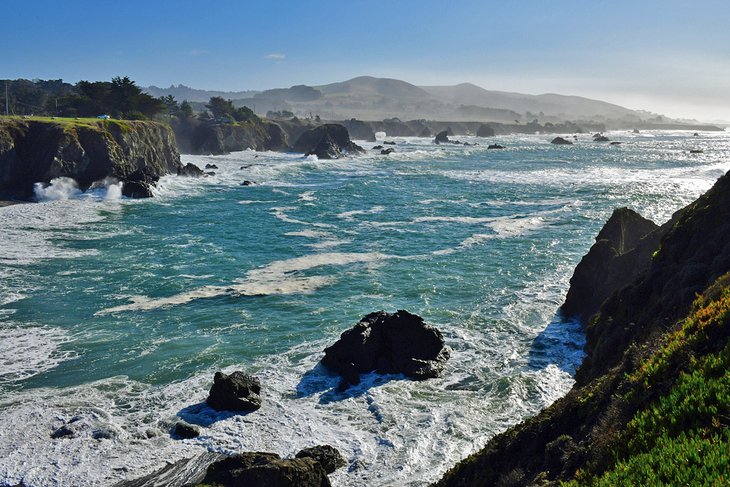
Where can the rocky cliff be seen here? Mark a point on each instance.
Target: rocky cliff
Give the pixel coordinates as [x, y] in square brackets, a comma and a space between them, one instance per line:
[652, 397]
[86, 150]
[202, 137]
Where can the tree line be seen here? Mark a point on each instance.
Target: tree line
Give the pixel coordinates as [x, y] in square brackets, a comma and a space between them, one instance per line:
[119, 98]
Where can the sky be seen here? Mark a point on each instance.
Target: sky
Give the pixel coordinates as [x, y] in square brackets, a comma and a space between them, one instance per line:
[670, 57]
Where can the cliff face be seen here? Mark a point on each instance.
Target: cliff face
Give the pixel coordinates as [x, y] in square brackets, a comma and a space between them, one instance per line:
[199, 137]
[654, 389]
[37, 151]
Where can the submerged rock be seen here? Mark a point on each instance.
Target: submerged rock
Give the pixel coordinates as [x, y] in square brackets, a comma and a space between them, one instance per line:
[560, 141]
[185, 431]
[601, 138]
[211, 166]
[495, 146]
[388, 343]
[190, 170]
[257, 469]
[329, 457]
[387, 151]
[235, 392]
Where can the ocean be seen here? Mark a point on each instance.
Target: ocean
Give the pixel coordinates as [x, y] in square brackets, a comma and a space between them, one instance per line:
[116, 313]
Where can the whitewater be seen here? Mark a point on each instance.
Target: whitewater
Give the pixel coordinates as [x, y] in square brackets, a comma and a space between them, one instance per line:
[116, 313]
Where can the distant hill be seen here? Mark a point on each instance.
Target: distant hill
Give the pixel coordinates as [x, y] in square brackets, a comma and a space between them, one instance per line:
[561, 106]
[371, 98]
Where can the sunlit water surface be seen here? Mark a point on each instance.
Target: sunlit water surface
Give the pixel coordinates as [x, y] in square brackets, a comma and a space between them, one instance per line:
[118, 312]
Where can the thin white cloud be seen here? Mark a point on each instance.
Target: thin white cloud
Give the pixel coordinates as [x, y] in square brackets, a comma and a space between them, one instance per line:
[198, 52]
[276, 56]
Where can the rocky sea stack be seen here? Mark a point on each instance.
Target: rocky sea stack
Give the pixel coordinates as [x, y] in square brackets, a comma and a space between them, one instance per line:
[388, 343]
[328, 141]
[86, 150]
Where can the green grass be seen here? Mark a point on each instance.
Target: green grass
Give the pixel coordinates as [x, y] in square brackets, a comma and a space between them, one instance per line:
[680, 431]
[69, 123]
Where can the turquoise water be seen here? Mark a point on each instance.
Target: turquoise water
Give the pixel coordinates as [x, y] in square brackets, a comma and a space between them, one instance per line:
[119, 311]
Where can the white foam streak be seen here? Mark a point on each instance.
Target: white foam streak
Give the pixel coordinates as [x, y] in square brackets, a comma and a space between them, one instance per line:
[276, 278]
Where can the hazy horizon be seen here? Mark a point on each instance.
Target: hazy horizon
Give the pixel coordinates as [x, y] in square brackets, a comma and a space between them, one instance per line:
[663, 57]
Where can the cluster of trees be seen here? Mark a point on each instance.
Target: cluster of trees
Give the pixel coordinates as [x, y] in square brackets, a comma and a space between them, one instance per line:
[119, 98]
[223, 111]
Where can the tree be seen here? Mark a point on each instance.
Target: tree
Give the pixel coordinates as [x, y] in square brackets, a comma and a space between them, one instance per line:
[185, 111]
[244, 114]
[170, 104]
[219, 107]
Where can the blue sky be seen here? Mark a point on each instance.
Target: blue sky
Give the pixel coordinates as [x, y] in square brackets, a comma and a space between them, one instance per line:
[665, 56]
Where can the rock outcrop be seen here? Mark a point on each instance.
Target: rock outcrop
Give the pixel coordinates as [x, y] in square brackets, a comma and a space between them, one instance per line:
[560, 141]
[442, 137]
[612, 262]
[196, 136]
[266, 470]
[359, 130]
[34, 151]
[190, 170]
[485, 131]
[234, 392]
[328, 141]
[388, 343]
[326, 455]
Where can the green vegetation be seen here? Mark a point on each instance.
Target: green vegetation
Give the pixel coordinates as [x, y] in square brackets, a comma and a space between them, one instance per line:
[120, 98]
[679, 433]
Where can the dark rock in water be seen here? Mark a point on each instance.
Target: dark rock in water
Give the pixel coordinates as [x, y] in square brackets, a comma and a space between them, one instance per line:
[211, 166]
[636, 131]
[442, 137]
[138, 185]
[495, 146]
[64, 431]
[616, 143]
[328, 141]
[359, 130]
[560, 141]
[137, 189]
[615, 260]
[696, 151]
[388, 343]
[385, 152]
[185, 431]
[377, 147]
[327, 456]
[696, 134]
[266, 470]
[235, 392]
[389, 142]
[426, 132]
[485, 131]
[209, 173]
[601, 138]
[247, 183]
[190, 170]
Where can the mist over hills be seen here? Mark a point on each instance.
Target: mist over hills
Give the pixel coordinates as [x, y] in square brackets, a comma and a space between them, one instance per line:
[371, 98]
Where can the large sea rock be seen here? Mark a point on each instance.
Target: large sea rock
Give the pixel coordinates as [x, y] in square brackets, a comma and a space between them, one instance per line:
[133, 152]
[328, 141]
[235, 392]
[485, 131]
[266, 470]
[388, 343]
[560, 141]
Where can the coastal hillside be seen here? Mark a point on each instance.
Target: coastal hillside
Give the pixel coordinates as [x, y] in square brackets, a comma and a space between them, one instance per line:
[652, 398]
[87, 150]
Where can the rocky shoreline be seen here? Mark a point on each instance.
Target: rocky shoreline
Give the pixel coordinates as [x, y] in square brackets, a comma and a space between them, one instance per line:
[654, 302]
